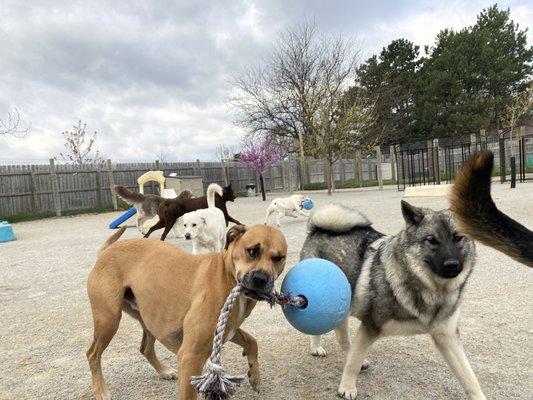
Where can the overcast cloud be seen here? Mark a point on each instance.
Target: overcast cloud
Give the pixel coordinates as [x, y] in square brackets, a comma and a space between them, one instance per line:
[154, 75]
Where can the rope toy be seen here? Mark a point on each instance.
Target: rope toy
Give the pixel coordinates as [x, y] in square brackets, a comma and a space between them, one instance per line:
[215, 383]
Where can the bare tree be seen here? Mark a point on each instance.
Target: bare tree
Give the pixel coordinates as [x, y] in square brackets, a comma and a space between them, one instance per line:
[80, 146]
[520, 107]
[161, 156]
[342, 125]
[12, 125]
[283, 96]
[226, 153]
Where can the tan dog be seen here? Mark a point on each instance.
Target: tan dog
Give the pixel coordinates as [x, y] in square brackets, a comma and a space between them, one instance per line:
[177, 297]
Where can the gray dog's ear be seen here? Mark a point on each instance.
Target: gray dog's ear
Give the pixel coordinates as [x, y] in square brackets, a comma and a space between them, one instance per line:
[234, 233]
[411, 214]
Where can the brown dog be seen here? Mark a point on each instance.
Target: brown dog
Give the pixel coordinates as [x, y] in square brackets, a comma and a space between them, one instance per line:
[147, 205]
[170, 210]
[177, 297]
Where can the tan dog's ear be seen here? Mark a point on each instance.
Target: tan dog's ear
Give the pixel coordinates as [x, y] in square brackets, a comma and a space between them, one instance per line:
[233, 233]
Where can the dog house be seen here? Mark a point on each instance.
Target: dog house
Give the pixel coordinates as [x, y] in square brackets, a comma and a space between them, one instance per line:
[188, 182]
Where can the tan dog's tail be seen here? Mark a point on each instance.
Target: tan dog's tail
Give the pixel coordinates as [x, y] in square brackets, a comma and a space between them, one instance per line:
[480, 218]
[112, 239]
[129, 196]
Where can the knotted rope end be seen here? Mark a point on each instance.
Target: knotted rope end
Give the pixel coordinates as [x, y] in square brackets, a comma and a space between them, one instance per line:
[215, 383]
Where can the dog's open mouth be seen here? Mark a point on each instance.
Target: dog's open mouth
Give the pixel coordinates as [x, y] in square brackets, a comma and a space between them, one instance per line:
[256, 294]
[257, 284]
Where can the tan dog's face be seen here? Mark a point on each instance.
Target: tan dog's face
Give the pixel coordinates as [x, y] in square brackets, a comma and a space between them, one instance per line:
[259, 254]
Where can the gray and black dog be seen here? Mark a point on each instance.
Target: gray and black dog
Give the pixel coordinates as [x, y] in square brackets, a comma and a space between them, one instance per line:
[406, 284]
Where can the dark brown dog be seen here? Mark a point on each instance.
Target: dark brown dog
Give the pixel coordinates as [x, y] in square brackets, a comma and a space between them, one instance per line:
[171, 209]
[177, 296]
[147, 205]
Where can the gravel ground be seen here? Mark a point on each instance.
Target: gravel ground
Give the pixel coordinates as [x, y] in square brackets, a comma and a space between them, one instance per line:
[46, 322]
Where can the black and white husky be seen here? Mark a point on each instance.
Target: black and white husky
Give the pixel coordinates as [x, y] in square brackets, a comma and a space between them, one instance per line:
[406, 284]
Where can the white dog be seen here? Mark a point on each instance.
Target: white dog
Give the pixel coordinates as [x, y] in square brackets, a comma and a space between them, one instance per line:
[206, 227]
[287, 206]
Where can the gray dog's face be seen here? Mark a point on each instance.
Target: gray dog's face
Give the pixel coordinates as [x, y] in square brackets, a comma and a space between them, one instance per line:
[434, 237]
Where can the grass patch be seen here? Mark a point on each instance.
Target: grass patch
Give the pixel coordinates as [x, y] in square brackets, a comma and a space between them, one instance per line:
[349, 184]
[22, 217]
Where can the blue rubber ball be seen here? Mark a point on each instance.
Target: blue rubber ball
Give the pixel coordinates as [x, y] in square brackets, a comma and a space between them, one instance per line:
[307, 204]
[327, 291]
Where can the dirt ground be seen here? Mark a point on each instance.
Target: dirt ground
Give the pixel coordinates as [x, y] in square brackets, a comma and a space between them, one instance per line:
[45, 320]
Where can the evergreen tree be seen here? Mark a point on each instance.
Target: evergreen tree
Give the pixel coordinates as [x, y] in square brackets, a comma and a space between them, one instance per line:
[389, 84]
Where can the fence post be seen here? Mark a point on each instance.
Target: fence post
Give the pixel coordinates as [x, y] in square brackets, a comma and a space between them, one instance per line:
[290, 174]
[431, 163]
[436, 159]
[98, 188]
[358, 168]
[393, 163]
[112, 184]
[501, 144]
[283, 181]
[224, 172]
[307, 175]
[378, 167]
[473, 143]
[482, 139]
[343, 172]
[34, 191]
[55, 188]
[198, 169]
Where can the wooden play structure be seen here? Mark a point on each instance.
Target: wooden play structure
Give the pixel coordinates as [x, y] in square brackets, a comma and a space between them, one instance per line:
[152, 176]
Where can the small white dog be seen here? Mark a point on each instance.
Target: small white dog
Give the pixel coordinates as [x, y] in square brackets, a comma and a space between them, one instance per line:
[287, 206]
[206, 227]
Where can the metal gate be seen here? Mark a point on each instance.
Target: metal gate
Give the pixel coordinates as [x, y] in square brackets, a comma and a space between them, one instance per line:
[429, 164]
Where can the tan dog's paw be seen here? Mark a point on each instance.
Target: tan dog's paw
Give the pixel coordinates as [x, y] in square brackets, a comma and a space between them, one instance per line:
[169, 374]
[318, 352]
[104, 395]
[254, 377]
[347, 393]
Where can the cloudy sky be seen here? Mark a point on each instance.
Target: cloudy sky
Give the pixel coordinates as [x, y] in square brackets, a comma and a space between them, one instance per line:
[153, 76]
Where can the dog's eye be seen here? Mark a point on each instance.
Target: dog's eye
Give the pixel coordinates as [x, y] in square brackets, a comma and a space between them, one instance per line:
[253, 252]
[277, 259]
[432, 240]
[193, 225]
[457, 238]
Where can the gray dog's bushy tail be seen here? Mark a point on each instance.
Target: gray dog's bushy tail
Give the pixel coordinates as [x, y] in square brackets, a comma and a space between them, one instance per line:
[129, 196]
[337, 218]
[112, 239]
[479, 217]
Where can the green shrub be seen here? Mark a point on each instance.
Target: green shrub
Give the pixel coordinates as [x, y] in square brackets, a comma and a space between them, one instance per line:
[21, 217]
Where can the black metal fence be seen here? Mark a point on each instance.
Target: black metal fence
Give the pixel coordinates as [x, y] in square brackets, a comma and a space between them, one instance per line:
[437, 161]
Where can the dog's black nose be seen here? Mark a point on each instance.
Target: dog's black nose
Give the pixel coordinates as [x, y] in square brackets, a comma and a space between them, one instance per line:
[451, 264]
[259, 279]
[188, 236]
[453, 267]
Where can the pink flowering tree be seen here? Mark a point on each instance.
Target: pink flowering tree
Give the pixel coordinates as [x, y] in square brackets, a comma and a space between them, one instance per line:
[261, 153]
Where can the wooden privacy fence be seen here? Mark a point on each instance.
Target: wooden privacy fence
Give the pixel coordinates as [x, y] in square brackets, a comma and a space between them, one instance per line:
[58, 187]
